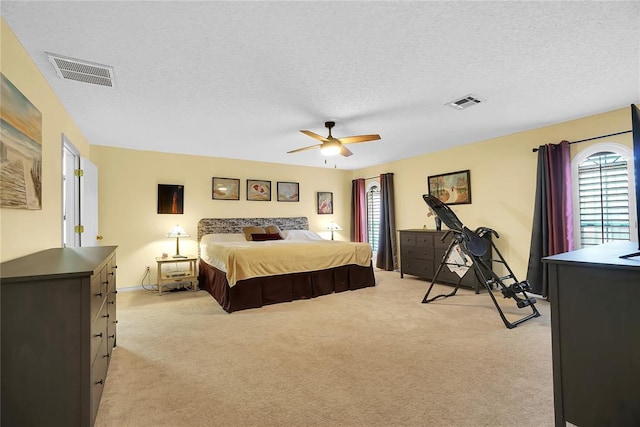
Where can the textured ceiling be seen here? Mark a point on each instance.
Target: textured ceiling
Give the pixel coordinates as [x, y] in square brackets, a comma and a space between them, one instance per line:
[240, 79]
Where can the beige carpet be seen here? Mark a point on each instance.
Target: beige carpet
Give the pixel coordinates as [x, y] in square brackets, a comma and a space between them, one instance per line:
[372, 357]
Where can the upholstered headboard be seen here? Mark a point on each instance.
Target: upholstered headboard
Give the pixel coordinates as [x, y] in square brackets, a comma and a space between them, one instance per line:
[234, 225]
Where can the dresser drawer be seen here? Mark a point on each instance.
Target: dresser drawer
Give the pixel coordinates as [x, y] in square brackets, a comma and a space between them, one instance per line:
[418, 252]
[423, 239]
[98, 292]
[98, 331]
[407, 239]
[98, 377]
[111, 322]
[417, 267]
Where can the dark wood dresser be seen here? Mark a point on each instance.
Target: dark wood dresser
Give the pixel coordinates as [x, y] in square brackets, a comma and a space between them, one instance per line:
[421, 252]
[58, 331]
[595, 335]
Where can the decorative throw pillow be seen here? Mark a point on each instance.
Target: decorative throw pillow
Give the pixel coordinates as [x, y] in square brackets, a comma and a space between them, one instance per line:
[248, 231]
[260, 237]
[273, 229]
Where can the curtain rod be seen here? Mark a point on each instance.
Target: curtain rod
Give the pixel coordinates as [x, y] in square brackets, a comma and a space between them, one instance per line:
[591, 139]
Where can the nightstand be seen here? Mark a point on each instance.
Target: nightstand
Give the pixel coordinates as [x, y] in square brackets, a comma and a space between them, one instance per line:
[176, 276]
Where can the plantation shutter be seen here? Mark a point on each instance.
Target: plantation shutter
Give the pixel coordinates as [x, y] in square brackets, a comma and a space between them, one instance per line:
[373, 216]
[603, 187]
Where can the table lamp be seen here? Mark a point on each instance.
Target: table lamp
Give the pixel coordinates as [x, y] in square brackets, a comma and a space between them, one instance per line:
[178, 232]
[333, 227]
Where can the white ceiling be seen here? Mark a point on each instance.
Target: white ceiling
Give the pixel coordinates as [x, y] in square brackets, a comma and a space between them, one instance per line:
[240, 79]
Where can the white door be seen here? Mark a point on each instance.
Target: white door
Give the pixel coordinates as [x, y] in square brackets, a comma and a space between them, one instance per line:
[88, 203]
[70, 195]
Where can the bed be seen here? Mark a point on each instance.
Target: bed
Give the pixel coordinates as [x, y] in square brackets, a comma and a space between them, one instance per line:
[242, 274]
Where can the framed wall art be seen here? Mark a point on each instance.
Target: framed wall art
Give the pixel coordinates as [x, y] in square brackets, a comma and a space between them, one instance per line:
[20, 150]
[170, 199]
[325, 203]
[225, 189]
[288, 192]
[452, 188]
[259, 190]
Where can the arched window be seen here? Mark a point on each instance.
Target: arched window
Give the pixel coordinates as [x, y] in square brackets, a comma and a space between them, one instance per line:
[604, 195]
[373, 214]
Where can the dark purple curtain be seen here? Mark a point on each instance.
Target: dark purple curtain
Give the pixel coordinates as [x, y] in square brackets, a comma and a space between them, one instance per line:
[358, 211]
[387, 257]
[552, 231]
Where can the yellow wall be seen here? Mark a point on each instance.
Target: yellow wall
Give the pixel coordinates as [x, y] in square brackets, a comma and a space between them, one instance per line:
[28, 231]
[503, 174]
[128, 182]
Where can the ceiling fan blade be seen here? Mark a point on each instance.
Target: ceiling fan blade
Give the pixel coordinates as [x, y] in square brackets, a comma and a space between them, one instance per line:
[303, 149]
[345, 151]
[314, 135]
[359, 138]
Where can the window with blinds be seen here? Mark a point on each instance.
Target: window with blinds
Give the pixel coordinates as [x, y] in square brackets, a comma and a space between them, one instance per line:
[603, 187]
[373, 216]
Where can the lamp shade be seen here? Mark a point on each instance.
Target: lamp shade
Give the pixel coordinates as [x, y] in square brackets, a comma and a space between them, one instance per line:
[332, 226]
[178, 231]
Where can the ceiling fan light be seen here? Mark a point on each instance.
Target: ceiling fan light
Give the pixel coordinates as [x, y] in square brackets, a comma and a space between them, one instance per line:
[330, 148]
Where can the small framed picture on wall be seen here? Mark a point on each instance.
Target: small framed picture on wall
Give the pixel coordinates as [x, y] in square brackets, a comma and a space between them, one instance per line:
[225, 188]
[288, 192]
[258, 189]
[325, 202]
[170, 199]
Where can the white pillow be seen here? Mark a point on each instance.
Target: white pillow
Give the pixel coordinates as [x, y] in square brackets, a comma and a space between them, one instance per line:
[223, 237]
[300, 235]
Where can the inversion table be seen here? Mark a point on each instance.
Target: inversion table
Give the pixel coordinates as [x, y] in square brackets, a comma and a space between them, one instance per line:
[466, 250]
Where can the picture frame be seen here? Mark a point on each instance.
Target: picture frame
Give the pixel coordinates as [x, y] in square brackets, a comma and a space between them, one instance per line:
[325, 202]
[225, 188]
[258, 190]
[288, 191]
[170, 199]
[453, 188]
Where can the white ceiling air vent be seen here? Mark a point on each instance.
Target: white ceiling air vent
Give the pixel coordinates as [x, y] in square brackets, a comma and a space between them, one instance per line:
[82, 71]
[464, 102]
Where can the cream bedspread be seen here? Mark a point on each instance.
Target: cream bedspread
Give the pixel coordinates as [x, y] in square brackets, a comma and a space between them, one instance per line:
[244, 260]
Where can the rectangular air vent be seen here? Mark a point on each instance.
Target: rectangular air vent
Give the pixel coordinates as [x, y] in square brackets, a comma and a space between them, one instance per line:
[464, 102]
[82, 71]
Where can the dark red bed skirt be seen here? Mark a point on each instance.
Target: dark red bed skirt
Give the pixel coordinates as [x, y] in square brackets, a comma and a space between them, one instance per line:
[259, 291]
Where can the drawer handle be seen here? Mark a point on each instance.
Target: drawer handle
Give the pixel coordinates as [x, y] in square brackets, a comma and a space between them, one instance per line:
[115, 266]
[111, 302]
[112, 273]
[115, 292]
[99, 294]
[100, 382]
[98, 335]
[106, 356]
[115, 321]
[112, 336]
[106, 316]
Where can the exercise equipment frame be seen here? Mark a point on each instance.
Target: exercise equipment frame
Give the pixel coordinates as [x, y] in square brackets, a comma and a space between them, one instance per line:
[474, 246]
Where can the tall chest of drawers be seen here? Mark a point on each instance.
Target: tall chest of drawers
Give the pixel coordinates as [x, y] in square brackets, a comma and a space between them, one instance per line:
[58, 332]
[421, 252]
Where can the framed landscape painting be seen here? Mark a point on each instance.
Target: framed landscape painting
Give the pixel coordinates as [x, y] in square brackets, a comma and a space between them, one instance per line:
[20, 150]
[288, 192]
[452, 188]
[225, 189]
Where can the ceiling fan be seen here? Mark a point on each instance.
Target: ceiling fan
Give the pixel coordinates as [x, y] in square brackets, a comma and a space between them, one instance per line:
[330, 145]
